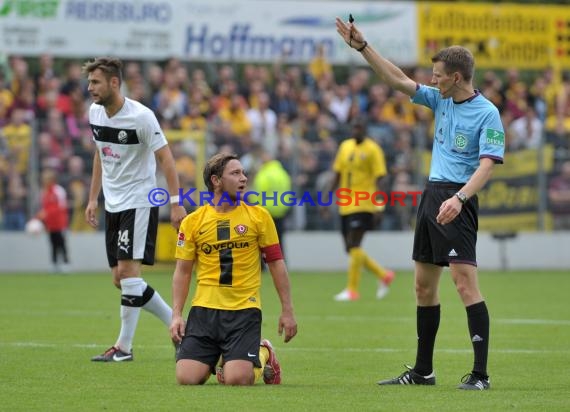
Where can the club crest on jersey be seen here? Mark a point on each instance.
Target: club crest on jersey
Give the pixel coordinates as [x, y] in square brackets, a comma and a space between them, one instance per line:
[460, 141]
[241, 229]
[181, 239]
[122, 136]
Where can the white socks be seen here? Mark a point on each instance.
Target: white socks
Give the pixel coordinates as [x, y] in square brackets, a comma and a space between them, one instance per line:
[134, 293]
[157, 306]
[131, 301]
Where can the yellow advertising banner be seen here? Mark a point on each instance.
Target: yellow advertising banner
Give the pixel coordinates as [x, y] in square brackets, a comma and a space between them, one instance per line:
[166, 243]
[499, 35]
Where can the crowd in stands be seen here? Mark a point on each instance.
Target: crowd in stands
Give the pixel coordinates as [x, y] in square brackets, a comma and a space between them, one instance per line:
[297, 113]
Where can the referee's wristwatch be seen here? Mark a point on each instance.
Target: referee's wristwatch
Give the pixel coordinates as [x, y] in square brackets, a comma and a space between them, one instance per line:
[462, 197]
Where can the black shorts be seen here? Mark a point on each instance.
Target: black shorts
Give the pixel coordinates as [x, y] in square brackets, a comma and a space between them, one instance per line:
[444, 244]
[234, 334]
[131, 235]
[357, 221]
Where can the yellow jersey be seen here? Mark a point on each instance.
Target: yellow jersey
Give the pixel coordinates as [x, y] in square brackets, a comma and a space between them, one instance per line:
[359, 166]
[226, 249]
[19, 141]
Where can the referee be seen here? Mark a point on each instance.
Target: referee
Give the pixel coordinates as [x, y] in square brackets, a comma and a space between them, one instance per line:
[468, 140]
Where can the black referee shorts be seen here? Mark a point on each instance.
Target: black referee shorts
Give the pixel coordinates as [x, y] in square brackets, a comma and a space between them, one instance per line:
[444, 244]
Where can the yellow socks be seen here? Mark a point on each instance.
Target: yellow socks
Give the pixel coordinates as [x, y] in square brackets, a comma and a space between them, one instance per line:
[263, 357]
[356, 261]
[371, 265]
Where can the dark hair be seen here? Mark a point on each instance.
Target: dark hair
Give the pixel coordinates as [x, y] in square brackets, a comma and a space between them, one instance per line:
[215, 167]
[456, 59]
[110, 66]
[361, 120]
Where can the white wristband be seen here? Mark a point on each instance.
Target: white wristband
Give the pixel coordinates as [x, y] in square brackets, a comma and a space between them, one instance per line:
[174, 199]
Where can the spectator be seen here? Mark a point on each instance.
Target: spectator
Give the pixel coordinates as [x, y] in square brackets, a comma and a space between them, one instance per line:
[340, 103]
[357, 83]
[559, 136]
[286, 142]
[492, 89]
[559, 197]
[263, 122]
[18, 136]
[60, 140]
[198, 82]
[155, 79]
[233, 125]
[55, 217]
[517, 99]
[538, 98]
[282, 101]
[76, 185]
[252, 91]
[525, 132]
[319, 66]
[19, 74]
[399, 112]
[194, 121]
[6, 99]
[306, 180]
[200, 100]
[226, 75]
[170, 102]
[16, 196]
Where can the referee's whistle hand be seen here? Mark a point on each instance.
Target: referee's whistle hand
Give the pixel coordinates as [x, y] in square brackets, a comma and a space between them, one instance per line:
[448, 211]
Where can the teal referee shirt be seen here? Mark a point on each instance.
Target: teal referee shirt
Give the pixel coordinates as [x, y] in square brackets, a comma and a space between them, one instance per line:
[464, 133]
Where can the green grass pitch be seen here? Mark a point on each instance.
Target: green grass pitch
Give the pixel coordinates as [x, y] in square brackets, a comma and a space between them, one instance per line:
[50, 326]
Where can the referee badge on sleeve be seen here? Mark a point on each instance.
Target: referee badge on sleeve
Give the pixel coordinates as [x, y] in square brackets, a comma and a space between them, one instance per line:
[495, 137]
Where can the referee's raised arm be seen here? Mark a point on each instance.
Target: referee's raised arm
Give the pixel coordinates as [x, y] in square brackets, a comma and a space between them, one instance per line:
[388, 71]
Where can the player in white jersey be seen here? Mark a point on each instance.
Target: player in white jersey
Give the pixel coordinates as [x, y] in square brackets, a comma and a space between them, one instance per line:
[128, 139]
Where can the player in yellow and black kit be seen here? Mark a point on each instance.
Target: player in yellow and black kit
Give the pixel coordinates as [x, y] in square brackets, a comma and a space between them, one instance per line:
[359, 166]
[224, 243]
